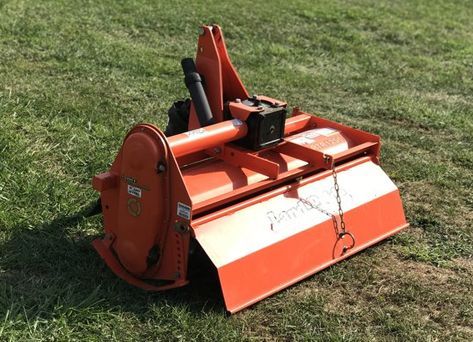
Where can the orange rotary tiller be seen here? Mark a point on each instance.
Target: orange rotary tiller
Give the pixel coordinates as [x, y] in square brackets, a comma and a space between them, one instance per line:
[271, 200]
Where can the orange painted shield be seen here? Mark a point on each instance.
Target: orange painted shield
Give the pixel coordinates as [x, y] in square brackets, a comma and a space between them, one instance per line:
[275, 240]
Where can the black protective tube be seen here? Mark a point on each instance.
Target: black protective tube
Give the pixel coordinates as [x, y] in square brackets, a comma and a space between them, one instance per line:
[194, 84]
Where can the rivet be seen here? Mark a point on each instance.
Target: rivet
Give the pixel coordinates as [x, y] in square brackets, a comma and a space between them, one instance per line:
[181, 227]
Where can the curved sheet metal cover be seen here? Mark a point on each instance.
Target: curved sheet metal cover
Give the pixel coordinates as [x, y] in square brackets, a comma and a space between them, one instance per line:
[264, 247]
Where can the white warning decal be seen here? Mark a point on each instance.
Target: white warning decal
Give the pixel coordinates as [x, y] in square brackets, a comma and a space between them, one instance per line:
[309, 137]
[134, 191]
[183, 210]
[195, 132]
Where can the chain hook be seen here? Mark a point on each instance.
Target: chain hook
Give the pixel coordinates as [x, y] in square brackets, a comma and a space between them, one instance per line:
[343, 232]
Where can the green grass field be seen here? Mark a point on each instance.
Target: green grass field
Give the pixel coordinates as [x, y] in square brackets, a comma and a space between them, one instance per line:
[75, 76]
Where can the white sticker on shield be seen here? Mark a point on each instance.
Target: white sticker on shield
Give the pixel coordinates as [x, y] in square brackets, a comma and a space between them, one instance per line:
[183, 210]
[134, 191]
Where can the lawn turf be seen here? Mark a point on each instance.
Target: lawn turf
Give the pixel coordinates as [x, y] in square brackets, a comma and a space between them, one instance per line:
[75, 76]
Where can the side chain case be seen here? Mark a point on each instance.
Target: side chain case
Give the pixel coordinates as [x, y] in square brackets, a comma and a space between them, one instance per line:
[147, 211]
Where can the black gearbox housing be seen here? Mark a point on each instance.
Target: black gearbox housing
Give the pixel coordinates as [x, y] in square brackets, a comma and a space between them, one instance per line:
[265, 128]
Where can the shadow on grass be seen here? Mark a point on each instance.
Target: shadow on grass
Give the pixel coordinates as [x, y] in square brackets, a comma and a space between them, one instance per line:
[53, 268]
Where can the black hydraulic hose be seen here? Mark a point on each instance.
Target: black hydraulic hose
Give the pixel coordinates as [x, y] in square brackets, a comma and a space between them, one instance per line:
[194, 84]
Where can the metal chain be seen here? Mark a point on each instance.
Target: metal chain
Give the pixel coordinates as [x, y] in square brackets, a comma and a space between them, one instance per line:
[343, 230]
[339, 201]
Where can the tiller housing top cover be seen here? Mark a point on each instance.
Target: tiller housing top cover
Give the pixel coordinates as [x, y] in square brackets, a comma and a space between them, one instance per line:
[270, 200]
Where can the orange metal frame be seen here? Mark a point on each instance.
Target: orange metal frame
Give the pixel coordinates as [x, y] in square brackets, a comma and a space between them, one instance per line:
[160, 192]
